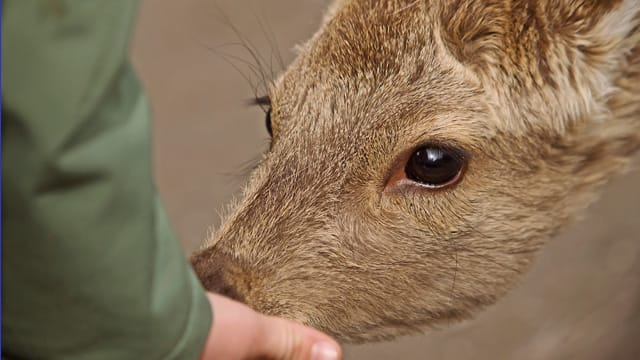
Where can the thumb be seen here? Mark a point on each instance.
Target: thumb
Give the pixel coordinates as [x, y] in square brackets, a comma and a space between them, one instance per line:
[286, 340]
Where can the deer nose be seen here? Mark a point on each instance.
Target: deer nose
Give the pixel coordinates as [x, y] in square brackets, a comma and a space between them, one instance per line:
[215, 272]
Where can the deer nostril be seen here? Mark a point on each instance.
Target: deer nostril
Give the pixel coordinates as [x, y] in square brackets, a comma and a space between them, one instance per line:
[221, 286]
[213, 270]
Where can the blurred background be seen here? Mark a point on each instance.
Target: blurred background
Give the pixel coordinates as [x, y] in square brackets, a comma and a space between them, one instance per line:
[581, 300]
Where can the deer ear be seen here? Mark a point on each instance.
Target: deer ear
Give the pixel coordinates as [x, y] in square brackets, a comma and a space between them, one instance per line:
[565, 54]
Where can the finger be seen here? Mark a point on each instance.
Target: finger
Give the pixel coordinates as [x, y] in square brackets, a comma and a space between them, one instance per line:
[286, 340]
[235, 330]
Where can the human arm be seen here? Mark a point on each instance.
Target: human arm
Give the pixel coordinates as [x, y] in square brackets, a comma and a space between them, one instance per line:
[91, 269]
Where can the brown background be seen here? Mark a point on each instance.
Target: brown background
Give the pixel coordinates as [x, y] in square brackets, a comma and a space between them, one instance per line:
[580, 301]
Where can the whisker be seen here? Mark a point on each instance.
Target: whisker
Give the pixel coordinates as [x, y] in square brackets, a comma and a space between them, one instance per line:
[244, 169]
[257, 64]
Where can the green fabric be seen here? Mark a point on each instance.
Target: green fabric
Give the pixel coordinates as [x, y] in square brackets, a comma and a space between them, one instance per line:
[91, 269]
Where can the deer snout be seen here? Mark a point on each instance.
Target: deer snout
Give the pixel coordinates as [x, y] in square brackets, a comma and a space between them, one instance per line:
[216, 273]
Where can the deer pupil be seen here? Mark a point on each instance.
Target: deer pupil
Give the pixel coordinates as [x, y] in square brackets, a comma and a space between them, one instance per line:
[268, 122]
[434, 166]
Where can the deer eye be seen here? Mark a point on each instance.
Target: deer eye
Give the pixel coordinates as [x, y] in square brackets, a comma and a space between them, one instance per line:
[435, 166]
[268, 122]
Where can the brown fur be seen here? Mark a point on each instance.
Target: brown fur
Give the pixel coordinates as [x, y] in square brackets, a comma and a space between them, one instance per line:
[544, 96]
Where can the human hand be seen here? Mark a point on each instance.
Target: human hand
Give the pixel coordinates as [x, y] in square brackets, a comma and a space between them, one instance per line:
[239, 333]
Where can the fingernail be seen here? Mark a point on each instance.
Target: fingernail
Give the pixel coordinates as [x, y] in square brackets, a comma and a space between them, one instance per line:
[324, 351]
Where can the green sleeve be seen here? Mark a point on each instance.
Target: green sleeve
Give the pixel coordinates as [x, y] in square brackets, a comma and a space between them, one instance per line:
[91, 269]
